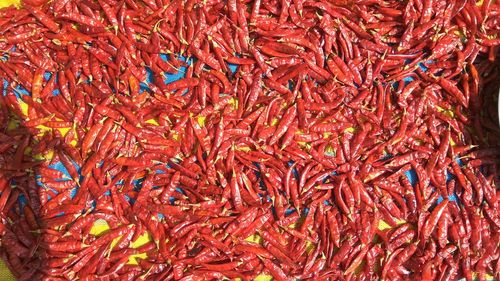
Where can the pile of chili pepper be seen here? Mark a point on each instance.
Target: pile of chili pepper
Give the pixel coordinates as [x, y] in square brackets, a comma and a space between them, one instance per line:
[293, 139]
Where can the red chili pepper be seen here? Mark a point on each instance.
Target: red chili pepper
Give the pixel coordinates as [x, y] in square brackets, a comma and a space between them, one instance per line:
[43, 18]
[218, 129]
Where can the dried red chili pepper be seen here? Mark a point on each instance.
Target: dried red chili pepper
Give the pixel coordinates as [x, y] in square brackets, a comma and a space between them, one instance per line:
[280, 93]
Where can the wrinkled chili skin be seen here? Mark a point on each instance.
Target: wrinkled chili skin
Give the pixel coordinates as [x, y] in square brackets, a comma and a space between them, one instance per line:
[296, 139]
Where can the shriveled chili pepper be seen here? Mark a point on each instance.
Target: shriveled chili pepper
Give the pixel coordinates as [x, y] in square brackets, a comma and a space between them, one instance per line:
[239, 133]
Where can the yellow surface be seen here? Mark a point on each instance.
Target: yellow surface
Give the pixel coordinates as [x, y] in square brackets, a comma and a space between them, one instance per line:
[254, 239]
[4, 270]
[152, 121]
[263, 277]
[7, 3]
